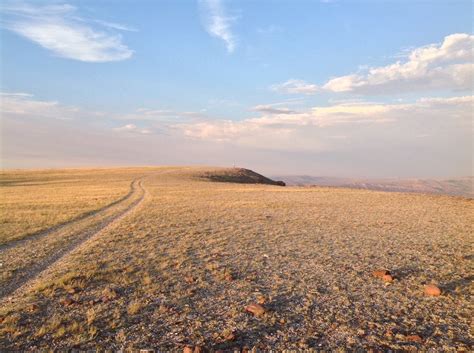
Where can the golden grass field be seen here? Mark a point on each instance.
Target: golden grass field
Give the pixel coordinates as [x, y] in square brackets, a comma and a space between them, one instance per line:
[36, 200]
[175, 263]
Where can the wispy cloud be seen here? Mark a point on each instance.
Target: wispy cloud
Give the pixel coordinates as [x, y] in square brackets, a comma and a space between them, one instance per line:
[59, 29]
[445, 66]
[271, 109]
[218, 23]
[24, 104]
[132, 128]
[293, 86]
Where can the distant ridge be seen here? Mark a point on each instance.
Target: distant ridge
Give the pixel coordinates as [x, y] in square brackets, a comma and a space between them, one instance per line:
[454, 186]
[239, 175]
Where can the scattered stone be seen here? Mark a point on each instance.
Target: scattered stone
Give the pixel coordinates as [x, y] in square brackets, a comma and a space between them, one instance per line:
[387, 278]
[255, 309]
[381, 273]
[432, 290]
[228, 276]
[33, 307]
[414, 338]
[73, 290]
[68, 301]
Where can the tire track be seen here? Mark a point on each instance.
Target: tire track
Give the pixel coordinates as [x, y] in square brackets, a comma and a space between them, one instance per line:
[26, 276]
[60, 227]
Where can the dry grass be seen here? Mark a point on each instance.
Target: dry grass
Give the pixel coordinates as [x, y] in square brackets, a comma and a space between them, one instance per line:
[181, 269]
[36, 200]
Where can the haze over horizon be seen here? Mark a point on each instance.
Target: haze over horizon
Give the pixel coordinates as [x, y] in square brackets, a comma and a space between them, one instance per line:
[333, 88]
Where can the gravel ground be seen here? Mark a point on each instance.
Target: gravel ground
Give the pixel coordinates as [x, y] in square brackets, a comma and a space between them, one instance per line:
[182, 268]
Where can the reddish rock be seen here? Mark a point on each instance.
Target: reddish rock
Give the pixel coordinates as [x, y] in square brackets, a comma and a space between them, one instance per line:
[33, 307]
[67, 301]
[414, 338]
[198, 349]
[228, 277]
[387, 278]
[432, 290]
[188, 349]
[255, 309]
[381, 273]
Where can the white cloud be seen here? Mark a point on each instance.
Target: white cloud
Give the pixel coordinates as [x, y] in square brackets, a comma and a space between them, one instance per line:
[293, 86]
[307, 130]
[59, 29]
[132, 128]
[217, 23]
[445, 66]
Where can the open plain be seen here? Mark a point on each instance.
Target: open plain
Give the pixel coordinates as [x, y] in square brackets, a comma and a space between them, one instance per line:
[174, 257]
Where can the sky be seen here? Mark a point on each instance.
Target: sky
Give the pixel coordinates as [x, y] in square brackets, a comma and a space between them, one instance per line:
[326, 88]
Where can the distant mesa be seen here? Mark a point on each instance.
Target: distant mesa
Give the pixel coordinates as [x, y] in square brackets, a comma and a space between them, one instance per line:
[463, 186]
[239, 175]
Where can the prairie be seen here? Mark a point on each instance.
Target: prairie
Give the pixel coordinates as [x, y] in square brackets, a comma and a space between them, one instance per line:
[36, 200]
[177, 263]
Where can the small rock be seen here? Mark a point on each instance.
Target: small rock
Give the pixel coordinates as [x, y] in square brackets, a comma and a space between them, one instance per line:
[387, 278]
[188, 349]
[261, 299]
[414, 338]
[229, 336]
[67, 301]
[73, 290]
[381, 273]
[198, 349]
[432, 290]
[228, 277]
[255, 309]
[33, 307]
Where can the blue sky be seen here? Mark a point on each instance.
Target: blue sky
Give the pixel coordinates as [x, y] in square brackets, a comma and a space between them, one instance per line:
[285, 87]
